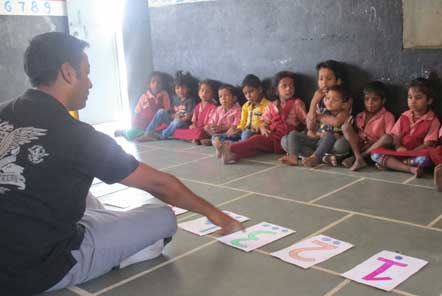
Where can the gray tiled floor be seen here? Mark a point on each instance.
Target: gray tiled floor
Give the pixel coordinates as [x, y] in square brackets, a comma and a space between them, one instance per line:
[370, 209]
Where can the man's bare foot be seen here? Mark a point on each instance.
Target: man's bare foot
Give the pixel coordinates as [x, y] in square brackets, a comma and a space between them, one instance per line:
[358, 164]
[289, 160]
[311, 161]
[196, 142]
[348, 162]
[438, 177]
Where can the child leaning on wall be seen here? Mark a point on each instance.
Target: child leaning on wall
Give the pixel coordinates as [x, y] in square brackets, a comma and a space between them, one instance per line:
[252, 110]
[284, 114]
[180, 114]
[408, 145]
[223, 121]
[369, 126]
[148, 104]
[201, 115]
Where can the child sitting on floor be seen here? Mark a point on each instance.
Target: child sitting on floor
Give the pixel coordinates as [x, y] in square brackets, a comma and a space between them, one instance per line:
[201, 115]
[225, 118]
[436, 157]
[148, 104]
[180, 115]
[408, 145]
[315, 144]
[371, 124]
[286, 113]
[330, 73]
[252, 110]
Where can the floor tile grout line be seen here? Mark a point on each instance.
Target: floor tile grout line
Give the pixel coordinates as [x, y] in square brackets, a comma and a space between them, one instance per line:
[317, 169]
[432, 223]
[252, 174]
[409, 180]
[262, 162]
[184, 163]
[174, 150]
[329, 226]
[324, 207]
[134, 277]
[185, 218]
[79, 291]
[336, 190]
[112, 192]
[367, 178]
[338, 288]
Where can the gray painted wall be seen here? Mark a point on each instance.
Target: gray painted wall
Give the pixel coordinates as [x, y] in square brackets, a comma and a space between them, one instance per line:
[228, 39]
[15, 34]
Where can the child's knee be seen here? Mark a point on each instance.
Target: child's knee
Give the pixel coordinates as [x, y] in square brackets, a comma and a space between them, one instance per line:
[341, 146]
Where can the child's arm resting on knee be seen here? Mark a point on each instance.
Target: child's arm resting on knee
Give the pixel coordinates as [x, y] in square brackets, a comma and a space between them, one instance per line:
[170, 190]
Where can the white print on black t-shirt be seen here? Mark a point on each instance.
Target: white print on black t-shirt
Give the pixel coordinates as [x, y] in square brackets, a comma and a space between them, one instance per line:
[10, 141]
[36, 154]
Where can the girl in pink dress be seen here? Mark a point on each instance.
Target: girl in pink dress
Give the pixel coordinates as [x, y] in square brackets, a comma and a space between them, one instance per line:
[225, 118]
[283, 115]
[148, 104]
[201, 115]
[408, 145]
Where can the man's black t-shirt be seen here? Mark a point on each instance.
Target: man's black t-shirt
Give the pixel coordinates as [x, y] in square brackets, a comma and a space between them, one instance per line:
[47, 163]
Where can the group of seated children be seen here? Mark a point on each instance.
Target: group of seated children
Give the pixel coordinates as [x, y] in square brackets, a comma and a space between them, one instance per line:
[327, 133]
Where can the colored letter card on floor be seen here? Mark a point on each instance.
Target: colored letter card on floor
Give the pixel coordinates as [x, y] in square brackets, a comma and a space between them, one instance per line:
[178, 211]
[312, 251]
[385, 270]
[256, 236]
[203, 226]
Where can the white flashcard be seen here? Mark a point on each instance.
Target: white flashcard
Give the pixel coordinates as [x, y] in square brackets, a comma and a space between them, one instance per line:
[100, 189]
[312, 251]
[127, 199]
[203, 226]
[255, 236]
[385, 270]
[178, 211]
[96, 181]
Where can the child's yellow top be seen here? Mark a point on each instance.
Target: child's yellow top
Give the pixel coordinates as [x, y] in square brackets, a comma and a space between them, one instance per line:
[252, 118]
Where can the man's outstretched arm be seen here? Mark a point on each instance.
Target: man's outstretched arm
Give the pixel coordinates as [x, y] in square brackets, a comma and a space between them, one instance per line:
[172, 191]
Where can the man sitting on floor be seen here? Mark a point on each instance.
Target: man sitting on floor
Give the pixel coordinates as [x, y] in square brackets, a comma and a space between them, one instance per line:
[50, 238]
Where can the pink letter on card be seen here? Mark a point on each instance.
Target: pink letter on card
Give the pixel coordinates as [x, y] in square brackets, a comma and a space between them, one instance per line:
[388, 263]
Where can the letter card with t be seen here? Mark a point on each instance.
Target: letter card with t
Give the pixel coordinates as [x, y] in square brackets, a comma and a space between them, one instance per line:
[203, 226]
[385, 270]
[312, 251]
[255, 236]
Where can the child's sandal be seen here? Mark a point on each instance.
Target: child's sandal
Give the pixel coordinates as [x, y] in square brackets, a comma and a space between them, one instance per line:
[348, 162]
[311, 161]
[330, 159]
[379, 166]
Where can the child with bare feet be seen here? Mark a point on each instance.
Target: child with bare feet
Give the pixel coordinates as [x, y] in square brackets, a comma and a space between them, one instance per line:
[284, 114]
[368, 126]
[315, 144]
[225, 118]
[330, 73]
[408, 145]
